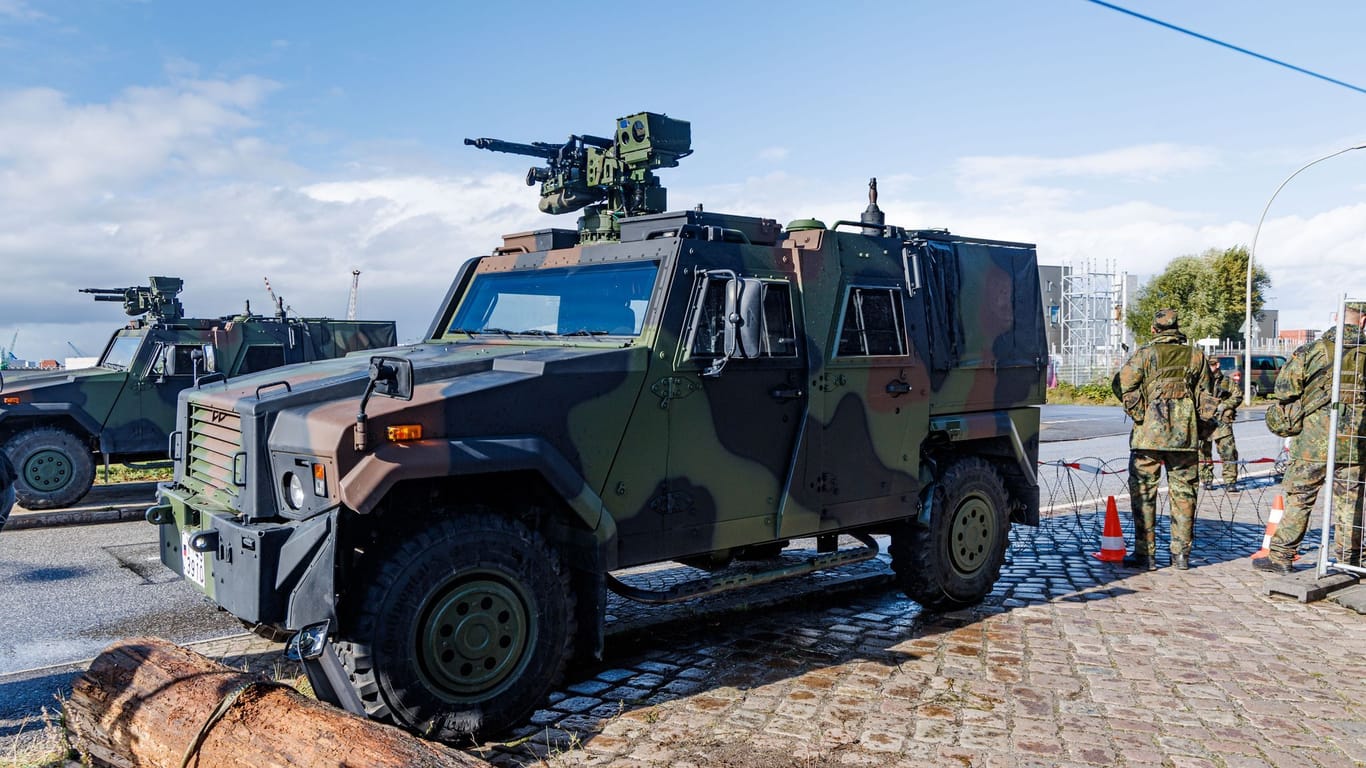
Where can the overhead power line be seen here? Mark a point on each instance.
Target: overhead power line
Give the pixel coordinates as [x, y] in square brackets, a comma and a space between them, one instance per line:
[1230, 46]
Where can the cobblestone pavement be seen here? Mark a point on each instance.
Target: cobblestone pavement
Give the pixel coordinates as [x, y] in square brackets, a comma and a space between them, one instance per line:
[1070, 662]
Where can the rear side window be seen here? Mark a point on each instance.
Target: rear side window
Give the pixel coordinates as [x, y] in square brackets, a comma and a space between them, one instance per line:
[872, 323]
[262, 357]
[1227, 364]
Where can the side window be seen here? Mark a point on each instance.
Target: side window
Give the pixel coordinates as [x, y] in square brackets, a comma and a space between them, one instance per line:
[707, 336]
[709, 320]
[779, 331]
[261, 357]
[872, 323]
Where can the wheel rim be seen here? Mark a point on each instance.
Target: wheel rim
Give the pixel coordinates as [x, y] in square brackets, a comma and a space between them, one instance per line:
[47, 470]
[972, 535]
[475, 637]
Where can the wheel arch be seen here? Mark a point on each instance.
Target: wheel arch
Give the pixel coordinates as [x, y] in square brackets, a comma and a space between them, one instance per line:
[16, 419]
[461, 463]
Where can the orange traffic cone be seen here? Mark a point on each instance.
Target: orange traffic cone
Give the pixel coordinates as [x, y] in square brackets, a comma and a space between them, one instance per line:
[1112, 536]
[1277, 510]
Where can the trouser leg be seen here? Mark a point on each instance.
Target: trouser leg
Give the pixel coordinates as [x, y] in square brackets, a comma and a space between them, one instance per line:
[1228, 454]
[1301, 486]
[1182, 485]
[1206, 461]
[1347, 513]
[1145, 468]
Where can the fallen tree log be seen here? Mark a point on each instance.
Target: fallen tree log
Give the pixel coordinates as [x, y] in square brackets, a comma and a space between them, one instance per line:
[145, 703]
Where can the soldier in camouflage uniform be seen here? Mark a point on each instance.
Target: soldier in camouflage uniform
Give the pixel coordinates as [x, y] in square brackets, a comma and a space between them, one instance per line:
[1222, 436]
[1158, 385]
[1310, 367]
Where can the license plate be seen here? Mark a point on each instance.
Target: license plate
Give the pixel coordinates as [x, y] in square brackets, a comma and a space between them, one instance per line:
[191, 562]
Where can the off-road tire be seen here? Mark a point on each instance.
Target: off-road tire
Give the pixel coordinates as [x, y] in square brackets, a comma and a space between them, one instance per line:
[55, 467]
[463, 628]
[955, 560]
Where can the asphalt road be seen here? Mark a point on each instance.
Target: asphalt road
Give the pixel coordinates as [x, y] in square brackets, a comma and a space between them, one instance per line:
[70, 591]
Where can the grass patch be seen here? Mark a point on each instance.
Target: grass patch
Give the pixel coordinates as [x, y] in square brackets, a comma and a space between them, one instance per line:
[1094, 393]
[41, 743]
[123, 473]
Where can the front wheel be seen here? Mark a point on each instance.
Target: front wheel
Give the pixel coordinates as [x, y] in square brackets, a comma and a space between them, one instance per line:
[54, 467]
[464, 629]
[954, 561]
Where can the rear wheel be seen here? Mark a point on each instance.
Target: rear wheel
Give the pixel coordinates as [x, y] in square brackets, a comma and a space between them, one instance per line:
[955, 560]
[464, 628]
[55, 468]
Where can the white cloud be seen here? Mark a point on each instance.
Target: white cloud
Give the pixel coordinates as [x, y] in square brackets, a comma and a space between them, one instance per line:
[177, 180]
[54, 154]
[773, 154]
[22, 11]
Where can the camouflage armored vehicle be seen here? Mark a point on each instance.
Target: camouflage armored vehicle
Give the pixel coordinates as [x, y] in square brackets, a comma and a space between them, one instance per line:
[53, 424]
[441, 526]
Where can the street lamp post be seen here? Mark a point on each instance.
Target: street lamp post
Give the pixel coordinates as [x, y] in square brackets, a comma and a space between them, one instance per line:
[1247, 332]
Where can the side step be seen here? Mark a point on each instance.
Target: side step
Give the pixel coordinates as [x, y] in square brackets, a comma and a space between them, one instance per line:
[712, 585]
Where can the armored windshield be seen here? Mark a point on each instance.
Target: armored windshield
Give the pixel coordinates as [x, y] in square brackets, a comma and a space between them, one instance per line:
[586, 300]
[121, 352]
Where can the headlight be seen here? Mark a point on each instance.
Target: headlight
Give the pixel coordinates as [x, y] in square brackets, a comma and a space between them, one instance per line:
[294, 491]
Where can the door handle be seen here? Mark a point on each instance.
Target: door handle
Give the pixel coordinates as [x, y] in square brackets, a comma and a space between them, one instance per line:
[784, 393]
[898, 387]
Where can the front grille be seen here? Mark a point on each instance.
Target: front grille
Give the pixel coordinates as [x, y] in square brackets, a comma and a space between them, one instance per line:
[215, 438]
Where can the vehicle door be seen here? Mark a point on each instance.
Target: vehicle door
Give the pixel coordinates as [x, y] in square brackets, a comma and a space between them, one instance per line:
[730, 423]
[146, 412]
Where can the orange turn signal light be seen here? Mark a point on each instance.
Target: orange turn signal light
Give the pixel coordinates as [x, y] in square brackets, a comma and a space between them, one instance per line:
[11, 399]
[401, 432]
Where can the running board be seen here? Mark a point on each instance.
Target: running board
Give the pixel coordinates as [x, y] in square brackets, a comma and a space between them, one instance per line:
[712, 585]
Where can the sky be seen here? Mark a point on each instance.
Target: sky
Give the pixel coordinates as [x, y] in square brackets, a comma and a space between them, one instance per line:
[230, 142]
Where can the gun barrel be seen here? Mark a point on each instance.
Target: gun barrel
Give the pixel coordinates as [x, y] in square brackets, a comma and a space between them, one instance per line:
[107, 297]
[104, 291]
[535, 149]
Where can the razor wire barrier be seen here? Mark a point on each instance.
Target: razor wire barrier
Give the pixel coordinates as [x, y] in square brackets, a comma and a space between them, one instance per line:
[1073, 493]
[1344, 480]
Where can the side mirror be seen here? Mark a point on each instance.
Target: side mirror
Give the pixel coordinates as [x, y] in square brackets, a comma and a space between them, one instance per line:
[745, 318]
[392, 377]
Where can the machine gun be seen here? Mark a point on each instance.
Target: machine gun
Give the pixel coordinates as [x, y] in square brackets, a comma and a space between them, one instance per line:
[610, 178]
[157, 299]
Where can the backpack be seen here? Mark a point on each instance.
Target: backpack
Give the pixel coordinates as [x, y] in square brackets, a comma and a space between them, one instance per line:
[1285, 418]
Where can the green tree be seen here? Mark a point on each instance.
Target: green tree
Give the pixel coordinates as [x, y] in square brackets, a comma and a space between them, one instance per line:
[1208, 290]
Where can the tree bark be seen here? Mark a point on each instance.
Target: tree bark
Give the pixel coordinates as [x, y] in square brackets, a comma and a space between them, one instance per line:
[144, 701]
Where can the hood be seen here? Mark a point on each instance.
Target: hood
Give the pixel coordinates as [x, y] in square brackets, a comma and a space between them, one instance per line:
[339, 383]
[87, 393]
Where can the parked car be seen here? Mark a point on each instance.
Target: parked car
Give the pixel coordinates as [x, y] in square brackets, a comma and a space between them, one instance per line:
[1264, 370]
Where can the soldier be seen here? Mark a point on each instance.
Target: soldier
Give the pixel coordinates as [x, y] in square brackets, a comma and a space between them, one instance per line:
[1159, 385]
[1222, 436]
[1310, 369]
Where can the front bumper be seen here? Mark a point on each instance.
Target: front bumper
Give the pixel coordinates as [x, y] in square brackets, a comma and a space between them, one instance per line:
[267, 573]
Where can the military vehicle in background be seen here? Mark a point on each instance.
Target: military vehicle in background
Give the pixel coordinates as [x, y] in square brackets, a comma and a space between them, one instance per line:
[53, 424]
[441, 525]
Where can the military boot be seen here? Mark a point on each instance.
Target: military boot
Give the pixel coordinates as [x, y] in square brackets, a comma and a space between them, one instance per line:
[1272, 566]
[1181, 562]
[1142, 562]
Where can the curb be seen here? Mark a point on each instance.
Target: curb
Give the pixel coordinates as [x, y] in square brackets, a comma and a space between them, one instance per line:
[57, 517]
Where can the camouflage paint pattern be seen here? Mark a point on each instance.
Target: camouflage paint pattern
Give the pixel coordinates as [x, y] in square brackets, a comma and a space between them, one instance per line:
[124, 408]
[1157, 385]
[882, 355]
[681, 464]
[1222, 436]
[1312, 366]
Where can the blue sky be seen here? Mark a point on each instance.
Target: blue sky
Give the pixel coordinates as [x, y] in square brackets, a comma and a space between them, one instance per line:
[229, 142]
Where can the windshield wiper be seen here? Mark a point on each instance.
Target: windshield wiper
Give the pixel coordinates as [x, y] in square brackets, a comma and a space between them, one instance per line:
[586, 332]
[468, 331]
[537, 332]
